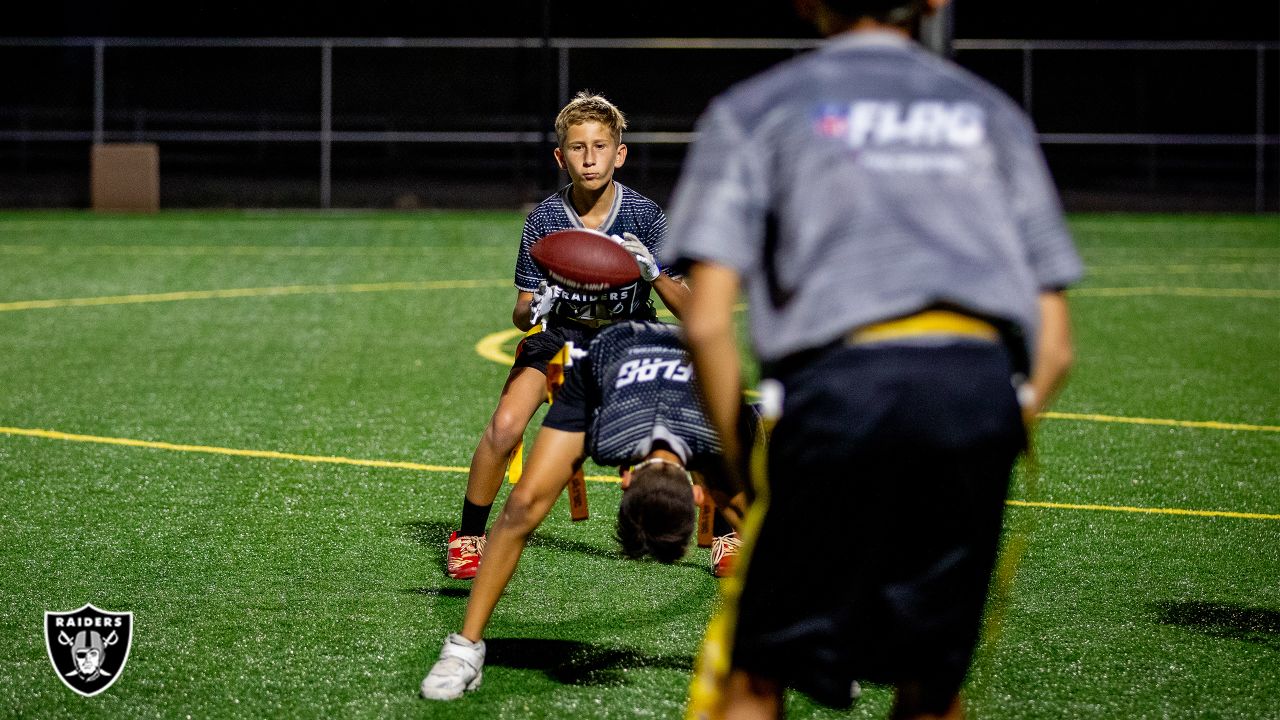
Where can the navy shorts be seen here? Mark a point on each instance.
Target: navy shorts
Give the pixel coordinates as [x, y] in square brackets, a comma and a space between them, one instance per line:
[536, 350]
[887, 475]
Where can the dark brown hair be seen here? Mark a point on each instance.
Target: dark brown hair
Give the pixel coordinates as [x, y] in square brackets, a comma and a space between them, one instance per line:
[889, 12]
[656, 516]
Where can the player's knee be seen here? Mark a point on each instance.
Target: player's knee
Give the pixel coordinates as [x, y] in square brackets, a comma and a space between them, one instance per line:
[505, 431]
[520, 514]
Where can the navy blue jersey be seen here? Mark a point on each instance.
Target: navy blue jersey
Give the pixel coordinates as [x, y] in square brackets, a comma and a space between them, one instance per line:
[634, 387]
[631, 213]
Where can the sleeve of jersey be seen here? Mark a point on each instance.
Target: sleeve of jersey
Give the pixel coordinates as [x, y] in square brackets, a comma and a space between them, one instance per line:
[528, 276]
[570, 411]
[657, 239]
[1037, 210]
[719, 205]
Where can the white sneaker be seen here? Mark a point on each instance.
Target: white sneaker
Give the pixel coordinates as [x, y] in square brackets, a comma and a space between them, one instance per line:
[459, 669]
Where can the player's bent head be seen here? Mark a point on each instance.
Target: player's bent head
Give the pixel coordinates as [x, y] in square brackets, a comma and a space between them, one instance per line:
[887, 12]
[657, 513]
[586, 107]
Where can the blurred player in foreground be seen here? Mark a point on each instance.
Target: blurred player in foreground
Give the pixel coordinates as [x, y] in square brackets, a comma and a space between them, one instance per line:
[903, 250]
[589, 135]
[629, 400]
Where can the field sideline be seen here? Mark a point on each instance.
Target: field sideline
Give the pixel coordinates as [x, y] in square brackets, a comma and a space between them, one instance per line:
[251, 430]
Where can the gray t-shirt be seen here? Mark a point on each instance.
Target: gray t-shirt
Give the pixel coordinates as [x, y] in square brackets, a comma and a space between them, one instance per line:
[865, 181]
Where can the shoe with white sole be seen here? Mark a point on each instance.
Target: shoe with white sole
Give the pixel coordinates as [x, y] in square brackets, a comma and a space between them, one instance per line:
[724, 549]
[463, 554]
[459, 669]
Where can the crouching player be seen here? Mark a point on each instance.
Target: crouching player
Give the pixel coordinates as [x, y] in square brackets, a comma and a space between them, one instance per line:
[589, 135]
[629, 400]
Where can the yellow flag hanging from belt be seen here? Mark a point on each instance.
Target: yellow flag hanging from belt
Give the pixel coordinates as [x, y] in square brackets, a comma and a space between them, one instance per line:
[555, 370]
[711, 671]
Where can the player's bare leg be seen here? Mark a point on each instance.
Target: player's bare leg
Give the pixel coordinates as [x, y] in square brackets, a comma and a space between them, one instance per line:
[460, 667]
[556, 454]
[523, 392]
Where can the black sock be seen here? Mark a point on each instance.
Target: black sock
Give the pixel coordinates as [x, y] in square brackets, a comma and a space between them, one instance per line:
[720, 526]
[474, 517]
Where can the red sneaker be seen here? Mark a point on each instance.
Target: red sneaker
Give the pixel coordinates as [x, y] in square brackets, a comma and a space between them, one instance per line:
[723, 550]
[463, 558]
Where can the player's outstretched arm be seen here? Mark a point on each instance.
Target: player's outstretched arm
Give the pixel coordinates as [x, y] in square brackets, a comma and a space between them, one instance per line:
[674, 293]
[556, 454]
[712, 341]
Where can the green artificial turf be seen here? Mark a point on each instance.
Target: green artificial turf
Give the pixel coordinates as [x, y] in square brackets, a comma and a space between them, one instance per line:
[298, 588]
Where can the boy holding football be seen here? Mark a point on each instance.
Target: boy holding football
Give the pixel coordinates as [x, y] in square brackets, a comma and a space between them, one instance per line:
[589, 148]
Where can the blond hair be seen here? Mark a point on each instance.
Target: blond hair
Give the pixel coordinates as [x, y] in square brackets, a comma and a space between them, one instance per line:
[586, 107]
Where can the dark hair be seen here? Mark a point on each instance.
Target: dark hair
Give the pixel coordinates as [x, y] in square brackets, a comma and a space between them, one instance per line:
[889, 12]
[656, 516]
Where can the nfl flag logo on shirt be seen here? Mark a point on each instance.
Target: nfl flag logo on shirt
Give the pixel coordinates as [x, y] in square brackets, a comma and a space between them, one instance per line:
[832, 121]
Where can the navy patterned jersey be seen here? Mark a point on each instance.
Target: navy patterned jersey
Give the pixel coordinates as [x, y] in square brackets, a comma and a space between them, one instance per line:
[633, 388]
[631, 213]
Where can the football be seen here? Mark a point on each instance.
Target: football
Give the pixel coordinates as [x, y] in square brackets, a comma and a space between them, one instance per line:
[584, 260]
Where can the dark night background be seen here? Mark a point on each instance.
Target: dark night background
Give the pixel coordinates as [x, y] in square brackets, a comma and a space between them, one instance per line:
[50, 88]
[1079, 19]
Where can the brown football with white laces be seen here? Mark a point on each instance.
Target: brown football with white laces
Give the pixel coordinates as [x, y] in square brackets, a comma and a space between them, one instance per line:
[585, 260]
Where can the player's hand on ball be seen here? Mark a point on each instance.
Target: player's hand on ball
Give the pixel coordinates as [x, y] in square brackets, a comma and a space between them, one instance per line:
[644, 259]
[544, 299]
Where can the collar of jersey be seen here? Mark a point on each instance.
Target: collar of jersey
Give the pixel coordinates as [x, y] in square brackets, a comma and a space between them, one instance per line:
[662, 461]
[576, 219]
[867, 39]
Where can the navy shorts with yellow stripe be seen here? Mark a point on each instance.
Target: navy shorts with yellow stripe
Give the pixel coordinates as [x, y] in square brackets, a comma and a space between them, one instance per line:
[888, 472]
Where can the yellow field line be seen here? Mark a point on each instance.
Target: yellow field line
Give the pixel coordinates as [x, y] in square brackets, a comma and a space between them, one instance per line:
[1264, 252]
[1175, 291]
[251, 250]
[1144, 510]
[213, 450]
[241, 452]
[1185, 268]
[1208, 424]
[421, 467]
[490, 346]
[250, 292]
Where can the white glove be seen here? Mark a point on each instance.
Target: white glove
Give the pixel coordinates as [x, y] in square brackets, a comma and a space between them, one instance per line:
[544, 299]
[644, 259]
